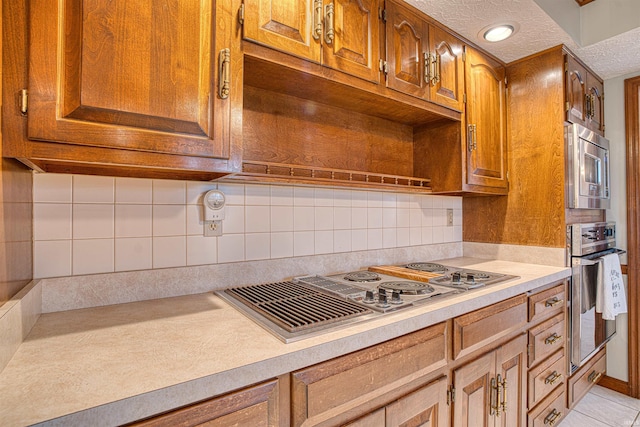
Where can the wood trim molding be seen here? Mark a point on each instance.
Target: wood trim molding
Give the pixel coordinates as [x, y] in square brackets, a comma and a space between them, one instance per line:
[614, 384]
[583, 2]
[632, 118]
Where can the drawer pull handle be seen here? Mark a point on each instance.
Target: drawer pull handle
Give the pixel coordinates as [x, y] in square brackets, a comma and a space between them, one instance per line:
[594, 377]
[552, 417]
[552, 302]
[552, 339]
[551, 379]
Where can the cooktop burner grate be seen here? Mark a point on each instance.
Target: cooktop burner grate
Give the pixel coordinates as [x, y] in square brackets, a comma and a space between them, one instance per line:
[362, 276]
[410, 288]
[427, 266]
[294, 307]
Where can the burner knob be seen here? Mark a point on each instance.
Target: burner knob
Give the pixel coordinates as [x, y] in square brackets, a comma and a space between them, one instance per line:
[455, 277]
[368, 297]
[470, 278]
[382, 299]
[395, 298]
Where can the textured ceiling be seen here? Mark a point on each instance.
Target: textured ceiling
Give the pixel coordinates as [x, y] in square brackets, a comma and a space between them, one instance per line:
[609, 58]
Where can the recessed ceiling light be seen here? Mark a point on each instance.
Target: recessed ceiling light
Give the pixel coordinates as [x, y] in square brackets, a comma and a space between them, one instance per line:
[498, 33]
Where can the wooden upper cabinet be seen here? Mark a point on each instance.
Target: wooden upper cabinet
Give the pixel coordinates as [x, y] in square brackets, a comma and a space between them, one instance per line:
[447, 68]
[134, 75]
[351, 40]
[407, 51]
[340, 34]
[575, 91]
[584, 96]
[292, 26]
[486, 139]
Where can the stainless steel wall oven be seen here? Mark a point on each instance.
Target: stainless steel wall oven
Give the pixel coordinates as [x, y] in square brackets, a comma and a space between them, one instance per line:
[588, 332]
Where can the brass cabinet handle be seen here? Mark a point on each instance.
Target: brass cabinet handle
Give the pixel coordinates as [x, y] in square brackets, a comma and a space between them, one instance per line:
[224, 73]
[493, 404]
[587, 105]
[594, 377]
[552, 302]
[552, 417]
[435, 75]
[317, 23]
[552, 339]
[552, 378]
[593, 105]
[328, 22]
[472, 139]
[427, 67]
[503, 404]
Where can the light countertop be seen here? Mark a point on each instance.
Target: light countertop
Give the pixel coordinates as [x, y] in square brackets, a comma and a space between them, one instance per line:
[115, 364]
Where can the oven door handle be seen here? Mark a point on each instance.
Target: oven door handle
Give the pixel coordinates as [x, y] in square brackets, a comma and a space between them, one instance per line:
[594, 261]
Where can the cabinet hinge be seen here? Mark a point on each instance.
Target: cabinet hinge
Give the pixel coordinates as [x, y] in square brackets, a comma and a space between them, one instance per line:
[464, 98]
[464, 53]
[567, 106]
[384, 68]
[241, 14]
[451, 395]
[566, 66]
[24, 101]
[506, 81]
[382, 14]
[507, 175]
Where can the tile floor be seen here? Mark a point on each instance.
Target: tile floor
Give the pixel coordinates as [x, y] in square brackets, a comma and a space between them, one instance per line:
[602, 407]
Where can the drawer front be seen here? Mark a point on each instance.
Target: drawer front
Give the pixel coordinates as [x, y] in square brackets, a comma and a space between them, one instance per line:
[546, 338]
[367, 377]
[546, 376]
[585, 377]
[547, 303]
[479, 328]
[550, 411]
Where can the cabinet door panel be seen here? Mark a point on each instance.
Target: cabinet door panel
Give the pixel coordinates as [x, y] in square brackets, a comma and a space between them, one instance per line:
[595, 90]
[407, 42]
[424, 407]
[355, 47]
[575, 91]
[132, 75]
[286, 25]
[511, 367]
[486, 121]
[446, 85]
[472, 383]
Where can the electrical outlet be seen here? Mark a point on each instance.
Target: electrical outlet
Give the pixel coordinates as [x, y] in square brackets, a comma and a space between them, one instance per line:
[449, 217]
[212, 228]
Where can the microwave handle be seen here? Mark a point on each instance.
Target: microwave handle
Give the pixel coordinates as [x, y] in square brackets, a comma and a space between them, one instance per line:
[594, 261]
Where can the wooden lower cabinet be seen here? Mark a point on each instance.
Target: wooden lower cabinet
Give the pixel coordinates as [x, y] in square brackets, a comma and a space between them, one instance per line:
[489, 391]
[426, 407]
[586, 377]
[264, 404]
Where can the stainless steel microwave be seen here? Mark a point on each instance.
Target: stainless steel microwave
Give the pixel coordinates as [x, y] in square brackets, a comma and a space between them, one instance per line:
[587, 169]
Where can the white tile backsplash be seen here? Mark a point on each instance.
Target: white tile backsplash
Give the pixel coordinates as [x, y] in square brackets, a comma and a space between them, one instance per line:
[86, 225]
[93, 189]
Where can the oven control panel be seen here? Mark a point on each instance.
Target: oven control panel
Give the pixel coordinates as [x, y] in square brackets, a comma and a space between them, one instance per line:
[592, 237]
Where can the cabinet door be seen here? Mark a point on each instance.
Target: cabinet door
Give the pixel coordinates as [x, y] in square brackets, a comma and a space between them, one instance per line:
[486, 138]
[352, 37]
[447, 71]
[426, 407]
[407, 44]
[595, 90]
[575, 91]
[134, 75]
[472, 383]
[375, 419]
[511, 366]
[292, 26]
[254, 406]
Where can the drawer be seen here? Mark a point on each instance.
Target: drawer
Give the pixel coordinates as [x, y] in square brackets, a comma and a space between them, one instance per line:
[479, 328]
[546, 376]
[546, 338]
[359, 382]
[585, 377]
[547, 303]
[550, 411]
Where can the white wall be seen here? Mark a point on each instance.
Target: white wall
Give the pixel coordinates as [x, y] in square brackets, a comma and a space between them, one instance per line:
[90, 224]
[617, 360]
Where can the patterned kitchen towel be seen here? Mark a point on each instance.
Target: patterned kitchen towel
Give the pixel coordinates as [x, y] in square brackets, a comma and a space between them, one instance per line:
[611, 298]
